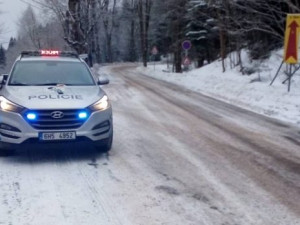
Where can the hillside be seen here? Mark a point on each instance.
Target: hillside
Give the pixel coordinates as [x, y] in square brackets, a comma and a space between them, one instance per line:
[252, 92]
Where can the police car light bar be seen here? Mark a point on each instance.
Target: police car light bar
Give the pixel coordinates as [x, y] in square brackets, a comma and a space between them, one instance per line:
[49, 53]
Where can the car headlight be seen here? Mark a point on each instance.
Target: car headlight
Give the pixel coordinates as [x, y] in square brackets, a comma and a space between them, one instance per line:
[100, 105]
[6, 105]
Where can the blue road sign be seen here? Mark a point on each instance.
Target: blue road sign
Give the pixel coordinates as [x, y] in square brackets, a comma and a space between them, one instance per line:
[186, 45]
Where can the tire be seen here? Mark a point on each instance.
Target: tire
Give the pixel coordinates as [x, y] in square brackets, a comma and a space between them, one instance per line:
[105, 145]
[6, 152]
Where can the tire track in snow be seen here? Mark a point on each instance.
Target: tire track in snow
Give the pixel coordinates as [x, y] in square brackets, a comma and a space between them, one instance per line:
[101, 200]
[286, 153]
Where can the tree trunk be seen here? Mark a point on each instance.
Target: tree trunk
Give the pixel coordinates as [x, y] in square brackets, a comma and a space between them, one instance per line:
[109, 49]
[108, 22]
[144, 9]
[222, 39]
[142, 32]
[222, 48]
[132, 50]
[95, 34]
[77, 38]
[177, 59]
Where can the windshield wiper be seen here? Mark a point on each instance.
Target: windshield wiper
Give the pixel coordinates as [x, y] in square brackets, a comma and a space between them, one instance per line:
[76, 84]
[59, 84]
[20, 84]
[50, 84]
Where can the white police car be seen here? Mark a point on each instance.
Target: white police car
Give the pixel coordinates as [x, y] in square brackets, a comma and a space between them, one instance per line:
[52, 97]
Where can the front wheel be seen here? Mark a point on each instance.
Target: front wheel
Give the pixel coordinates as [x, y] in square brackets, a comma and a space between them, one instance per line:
[105, 145]
[6, 152]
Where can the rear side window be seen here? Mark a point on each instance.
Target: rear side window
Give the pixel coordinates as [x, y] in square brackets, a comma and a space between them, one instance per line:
[50, 72]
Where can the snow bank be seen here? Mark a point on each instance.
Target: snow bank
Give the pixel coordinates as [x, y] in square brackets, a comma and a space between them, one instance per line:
[245, 91]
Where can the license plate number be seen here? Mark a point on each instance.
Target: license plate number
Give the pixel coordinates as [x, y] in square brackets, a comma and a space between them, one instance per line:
[49, 136]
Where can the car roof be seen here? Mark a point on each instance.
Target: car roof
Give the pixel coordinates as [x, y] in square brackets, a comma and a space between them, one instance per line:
[50, 58]
[50, 55]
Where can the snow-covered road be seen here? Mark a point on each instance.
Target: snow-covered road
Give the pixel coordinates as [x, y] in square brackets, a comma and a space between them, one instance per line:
[178, 158]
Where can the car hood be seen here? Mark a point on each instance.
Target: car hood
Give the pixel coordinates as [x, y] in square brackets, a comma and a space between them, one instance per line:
[52, 97]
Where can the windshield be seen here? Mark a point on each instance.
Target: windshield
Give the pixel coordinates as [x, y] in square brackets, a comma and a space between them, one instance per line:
[34, 73]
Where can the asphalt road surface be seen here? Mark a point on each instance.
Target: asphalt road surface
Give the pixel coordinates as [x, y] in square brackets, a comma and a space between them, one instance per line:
[178, 157]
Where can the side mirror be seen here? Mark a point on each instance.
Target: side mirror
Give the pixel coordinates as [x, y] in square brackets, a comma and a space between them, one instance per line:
[103, 80]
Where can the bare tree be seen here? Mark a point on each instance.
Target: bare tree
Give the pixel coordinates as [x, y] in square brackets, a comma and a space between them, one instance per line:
[93, 25]
[30, 29]
[144, 9]
[129, 27]
[76, 37]
[1, 24]
[108, 15]
[95, 39]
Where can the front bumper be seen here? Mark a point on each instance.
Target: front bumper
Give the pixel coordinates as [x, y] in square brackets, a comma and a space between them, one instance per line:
[96, 128]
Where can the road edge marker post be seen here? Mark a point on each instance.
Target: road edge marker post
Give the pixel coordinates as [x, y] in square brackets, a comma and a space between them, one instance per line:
[291, 45]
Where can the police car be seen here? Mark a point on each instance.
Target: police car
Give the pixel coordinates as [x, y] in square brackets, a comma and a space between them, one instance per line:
[52, 97]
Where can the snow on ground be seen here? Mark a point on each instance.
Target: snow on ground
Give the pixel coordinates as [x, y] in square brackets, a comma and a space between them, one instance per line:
[242, 90]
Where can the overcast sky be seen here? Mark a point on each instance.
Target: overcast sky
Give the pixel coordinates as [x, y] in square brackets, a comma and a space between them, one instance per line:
[11, 11]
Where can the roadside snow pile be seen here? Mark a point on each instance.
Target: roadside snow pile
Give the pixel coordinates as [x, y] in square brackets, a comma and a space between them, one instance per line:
[251, 92]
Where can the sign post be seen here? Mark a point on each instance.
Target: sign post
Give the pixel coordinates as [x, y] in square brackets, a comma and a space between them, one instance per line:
[291, 46]
[154, 52]
[291, 39]
[186, 45]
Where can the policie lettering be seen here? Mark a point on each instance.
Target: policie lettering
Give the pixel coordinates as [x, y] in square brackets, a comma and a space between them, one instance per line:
[41, 97]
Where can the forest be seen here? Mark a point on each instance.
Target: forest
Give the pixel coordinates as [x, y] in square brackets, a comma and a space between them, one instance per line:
[126, 30]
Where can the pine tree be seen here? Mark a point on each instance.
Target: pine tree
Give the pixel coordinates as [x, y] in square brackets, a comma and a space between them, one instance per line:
[177, 11]
[12, 42]
[202, 29]
[2, 57]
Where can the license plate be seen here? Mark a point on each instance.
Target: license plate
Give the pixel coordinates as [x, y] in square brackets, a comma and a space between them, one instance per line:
[51, 136]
